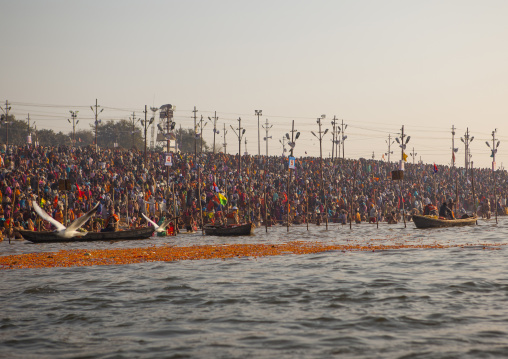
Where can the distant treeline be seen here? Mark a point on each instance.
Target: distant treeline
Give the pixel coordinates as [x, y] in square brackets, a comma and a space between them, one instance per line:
[122, 132]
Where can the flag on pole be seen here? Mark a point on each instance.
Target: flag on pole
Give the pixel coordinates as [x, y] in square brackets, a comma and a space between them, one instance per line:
[404, 156]
[223, 199]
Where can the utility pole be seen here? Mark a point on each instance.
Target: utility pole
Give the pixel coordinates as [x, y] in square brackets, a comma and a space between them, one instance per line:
[454, 150]
[74, 114]
[215, 131]
[28, 129]
[265, 169]
[202, 126]
[402, 144]
[6, 112]
[344, 137]
[259, 113]
[267, 127]
[466, 140]
[152, 134]
[145, 124]
[134, 121]
[195, 111]
[413, 154]
[493, 155]
[292, 146]
[390, 143]
[320, 138]
[493, 149]
[283, 143]
[241, 132]
[225, 143]
[96, 113]
[334, 122]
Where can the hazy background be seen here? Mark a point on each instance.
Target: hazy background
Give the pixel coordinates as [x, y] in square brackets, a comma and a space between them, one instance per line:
[377, 65]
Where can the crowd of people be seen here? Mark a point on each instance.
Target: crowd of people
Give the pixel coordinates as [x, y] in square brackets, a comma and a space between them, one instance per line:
[215, 188]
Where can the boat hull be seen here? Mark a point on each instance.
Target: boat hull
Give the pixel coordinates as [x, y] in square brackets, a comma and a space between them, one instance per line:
[51, 237]
[232, 230]
[429, 222]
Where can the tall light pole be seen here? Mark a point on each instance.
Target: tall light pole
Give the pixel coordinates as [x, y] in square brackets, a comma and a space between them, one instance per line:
[292, 146]
[267, 127]
[334, 122]
[74, 115]
[5, 118]
[344, 137]
[402, 144]
[134, 121]
[215, 131]
[97, 121]
[413, 155]
[152, 139]
[224, 132]
[259, 113]
[454, 150]
[320, 138]
[145, 124]
[241, 132]
[389, 143]
[283, 143]
[493, 155]
[467, 139]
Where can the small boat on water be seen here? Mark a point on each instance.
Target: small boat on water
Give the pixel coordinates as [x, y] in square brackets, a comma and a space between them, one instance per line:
[435, 222]
[52, 237]
[230, 230]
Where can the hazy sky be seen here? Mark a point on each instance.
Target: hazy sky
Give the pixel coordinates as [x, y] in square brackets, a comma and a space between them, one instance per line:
[377, 65]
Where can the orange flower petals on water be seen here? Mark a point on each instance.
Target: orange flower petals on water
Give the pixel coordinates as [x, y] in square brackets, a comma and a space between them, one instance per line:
[83, 257]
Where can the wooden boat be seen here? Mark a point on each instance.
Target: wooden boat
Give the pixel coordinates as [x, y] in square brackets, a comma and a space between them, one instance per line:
[51, 237]
[434, 222]
[230, 230]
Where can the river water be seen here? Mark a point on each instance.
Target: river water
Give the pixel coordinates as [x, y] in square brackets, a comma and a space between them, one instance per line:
[403, 303]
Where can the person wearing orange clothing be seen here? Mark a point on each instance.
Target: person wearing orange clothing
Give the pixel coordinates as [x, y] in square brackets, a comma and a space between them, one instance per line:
[59, 215]
[112, 222]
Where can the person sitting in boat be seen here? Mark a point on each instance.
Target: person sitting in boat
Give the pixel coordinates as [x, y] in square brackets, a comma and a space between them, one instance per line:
[430, 209]
[450, 206]
[445, 211]
[232, 217]
[112, 222]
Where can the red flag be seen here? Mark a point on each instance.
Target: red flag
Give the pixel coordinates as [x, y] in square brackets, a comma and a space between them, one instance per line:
[80, 192]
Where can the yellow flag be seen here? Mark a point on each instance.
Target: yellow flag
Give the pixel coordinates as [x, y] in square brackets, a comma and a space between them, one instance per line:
[404, 156]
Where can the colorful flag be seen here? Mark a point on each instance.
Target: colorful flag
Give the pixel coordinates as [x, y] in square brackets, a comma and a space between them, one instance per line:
[43, 202]
[435, 168]
[223, 199]
[404, 156]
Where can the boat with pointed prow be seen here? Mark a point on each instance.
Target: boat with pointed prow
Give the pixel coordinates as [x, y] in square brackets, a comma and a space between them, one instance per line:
[436, 222]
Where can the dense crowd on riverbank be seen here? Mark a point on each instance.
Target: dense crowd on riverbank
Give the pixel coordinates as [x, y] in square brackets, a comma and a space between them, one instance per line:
[127, 185]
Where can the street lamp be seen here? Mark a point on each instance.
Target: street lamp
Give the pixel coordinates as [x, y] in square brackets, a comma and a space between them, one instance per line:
[215, 131]
[259, 113]
[74, 115]
[320, 138]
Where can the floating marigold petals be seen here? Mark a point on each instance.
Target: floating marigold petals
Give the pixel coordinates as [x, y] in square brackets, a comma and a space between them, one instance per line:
[79, 258]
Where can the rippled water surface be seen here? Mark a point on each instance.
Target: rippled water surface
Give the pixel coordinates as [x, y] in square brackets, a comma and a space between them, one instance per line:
[405, 303]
